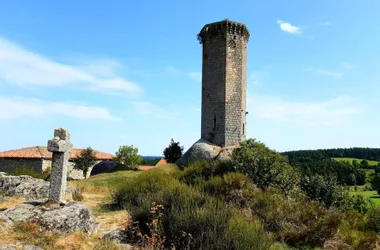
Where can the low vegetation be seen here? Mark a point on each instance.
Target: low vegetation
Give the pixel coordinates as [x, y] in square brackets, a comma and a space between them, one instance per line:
[27, 170]
[256, 201]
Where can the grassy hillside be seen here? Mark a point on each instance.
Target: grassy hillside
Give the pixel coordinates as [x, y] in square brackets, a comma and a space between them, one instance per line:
[371, 163]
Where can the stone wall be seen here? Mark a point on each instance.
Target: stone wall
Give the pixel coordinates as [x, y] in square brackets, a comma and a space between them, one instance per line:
[224, 82]
[7, 165]
[39, 165]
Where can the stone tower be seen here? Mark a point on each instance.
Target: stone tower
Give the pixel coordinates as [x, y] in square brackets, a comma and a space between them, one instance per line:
[224, 84]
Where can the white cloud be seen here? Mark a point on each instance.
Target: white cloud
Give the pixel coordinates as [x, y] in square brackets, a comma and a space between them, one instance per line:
[347, 65]
[289, 28]
[21, 67]
[16, 107]
[331, 73]
[257, 77]
[325, 23]
[171, 69]
[147, 108]
[326, 113]
[197, 76]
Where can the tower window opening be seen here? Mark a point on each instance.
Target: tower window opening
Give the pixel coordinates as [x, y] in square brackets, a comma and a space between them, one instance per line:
[243, 128]
[214, 122]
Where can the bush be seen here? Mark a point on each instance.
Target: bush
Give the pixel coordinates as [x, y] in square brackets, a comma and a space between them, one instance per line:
[186, 211]
[78, 193]
[296, 222]
[376, 183]
[264, 166]
[205, 170]
[26, 170]
[373, 220]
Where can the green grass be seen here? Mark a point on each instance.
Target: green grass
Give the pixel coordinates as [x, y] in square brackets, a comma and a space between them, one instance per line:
[371, 163]
[114, 178]
[369, 194]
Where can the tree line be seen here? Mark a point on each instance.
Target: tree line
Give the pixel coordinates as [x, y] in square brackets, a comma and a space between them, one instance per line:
[372, 154]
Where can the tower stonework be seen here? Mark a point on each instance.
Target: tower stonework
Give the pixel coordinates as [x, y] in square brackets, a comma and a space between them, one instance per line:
[224, 86]
[224, 63]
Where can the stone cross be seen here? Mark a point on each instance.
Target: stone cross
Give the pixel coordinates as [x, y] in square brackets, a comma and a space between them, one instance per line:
[61, 148]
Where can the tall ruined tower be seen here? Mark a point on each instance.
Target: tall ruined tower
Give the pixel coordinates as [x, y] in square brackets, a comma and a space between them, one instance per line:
[224, 82]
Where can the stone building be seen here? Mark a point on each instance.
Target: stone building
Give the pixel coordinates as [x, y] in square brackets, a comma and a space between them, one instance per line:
[224, 87]
[39, 159]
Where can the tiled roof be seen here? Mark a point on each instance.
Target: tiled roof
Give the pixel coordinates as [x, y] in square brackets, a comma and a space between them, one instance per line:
[38, 152]
[161, 162]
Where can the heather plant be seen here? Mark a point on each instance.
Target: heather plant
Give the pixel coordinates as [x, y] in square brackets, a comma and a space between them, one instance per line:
[186, 211]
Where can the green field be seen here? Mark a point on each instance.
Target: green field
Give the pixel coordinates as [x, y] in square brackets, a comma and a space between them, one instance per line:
[369, 194]
[371, 163]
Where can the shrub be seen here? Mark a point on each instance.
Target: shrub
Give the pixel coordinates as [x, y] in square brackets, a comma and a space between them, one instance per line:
[26, 170]
[376, 183]
[78, 193]
[205, 170]
[373, 220]
[264, 166]
[247, 234]
[296, 222]
[186, 211]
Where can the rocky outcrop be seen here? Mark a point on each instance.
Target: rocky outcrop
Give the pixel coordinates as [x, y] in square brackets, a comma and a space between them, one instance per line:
[27, 187]
[204, 150]
[65, 219]
[119, 237]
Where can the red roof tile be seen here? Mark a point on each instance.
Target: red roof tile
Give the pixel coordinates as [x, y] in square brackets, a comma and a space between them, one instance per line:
[42, 152]
[161, 162]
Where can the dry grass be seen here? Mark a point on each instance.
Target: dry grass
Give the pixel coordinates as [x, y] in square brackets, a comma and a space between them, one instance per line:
[11, 201]
[96, 195]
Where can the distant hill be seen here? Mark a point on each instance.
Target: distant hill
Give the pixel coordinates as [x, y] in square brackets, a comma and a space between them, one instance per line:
[371, 154]
[150, 160]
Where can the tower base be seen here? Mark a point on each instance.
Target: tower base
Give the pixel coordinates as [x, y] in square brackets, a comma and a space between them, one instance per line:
[204, 150]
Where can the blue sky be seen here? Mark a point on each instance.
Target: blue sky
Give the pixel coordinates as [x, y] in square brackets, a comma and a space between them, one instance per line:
[128, 73]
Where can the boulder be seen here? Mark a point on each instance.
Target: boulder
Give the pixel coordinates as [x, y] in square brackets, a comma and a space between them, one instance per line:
[27, 187]
[204, 150]
[72, 217]
[119, 237]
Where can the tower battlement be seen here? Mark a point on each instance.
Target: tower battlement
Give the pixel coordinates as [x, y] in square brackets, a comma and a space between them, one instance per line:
[223, 27]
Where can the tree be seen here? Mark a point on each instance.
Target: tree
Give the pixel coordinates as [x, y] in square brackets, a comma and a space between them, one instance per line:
[376, 183]
[128, 156]
[356, 164]
[173, 152]
[364, 164]
[86, 159]
[264, 166]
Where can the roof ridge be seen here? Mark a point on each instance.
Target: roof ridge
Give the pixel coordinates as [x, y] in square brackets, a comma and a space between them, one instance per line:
[39, 150]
